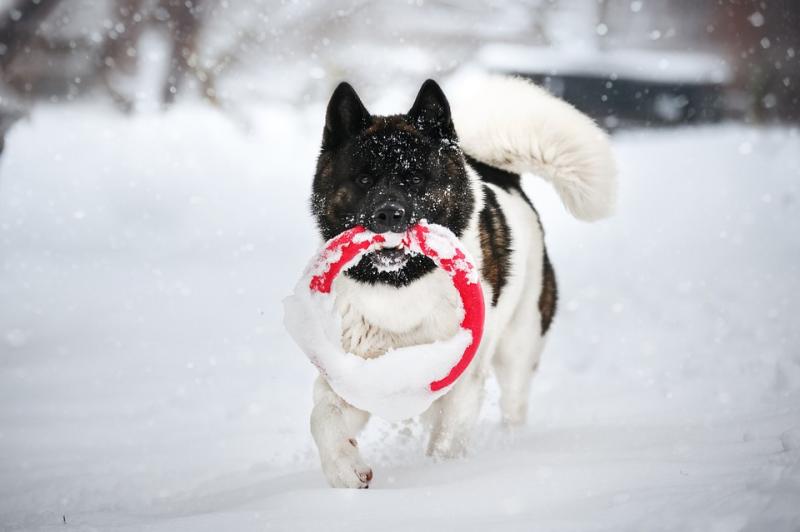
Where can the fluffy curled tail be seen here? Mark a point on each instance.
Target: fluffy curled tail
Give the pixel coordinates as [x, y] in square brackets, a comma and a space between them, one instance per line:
[512, 124]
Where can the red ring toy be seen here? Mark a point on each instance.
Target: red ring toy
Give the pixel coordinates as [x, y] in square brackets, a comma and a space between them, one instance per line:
[433, 241]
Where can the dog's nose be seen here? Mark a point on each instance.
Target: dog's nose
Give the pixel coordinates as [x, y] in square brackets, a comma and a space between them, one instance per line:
[389, 216]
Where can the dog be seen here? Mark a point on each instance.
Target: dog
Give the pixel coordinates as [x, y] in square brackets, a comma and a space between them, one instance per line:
[460, 169]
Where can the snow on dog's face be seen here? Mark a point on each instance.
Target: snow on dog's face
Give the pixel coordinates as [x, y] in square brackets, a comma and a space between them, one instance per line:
[388, 173]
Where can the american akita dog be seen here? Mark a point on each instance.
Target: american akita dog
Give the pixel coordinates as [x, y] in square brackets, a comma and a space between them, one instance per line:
[461, 171]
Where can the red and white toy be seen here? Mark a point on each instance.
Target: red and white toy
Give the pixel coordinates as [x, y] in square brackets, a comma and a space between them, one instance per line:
[403, 382]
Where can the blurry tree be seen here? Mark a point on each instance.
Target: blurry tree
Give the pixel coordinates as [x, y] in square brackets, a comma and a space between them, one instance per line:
[60, 49]
[41, 54]
[183, 22]
[312, 43]
[296, 51]
[18, 26]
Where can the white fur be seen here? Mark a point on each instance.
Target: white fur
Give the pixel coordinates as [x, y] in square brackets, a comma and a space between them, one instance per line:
[434, 300]
[512, 124]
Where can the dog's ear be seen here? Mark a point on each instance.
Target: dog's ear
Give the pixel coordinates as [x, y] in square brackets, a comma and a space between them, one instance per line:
[431, 112]
[346, 116]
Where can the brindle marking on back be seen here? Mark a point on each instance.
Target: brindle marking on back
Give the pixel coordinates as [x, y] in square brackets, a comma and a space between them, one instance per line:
[497, 177]
[510, 182]
[495, 238]
[507, 181]
[548, 298]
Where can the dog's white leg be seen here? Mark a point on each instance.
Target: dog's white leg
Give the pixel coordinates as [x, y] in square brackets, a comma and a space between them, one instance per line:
[335, 425]
[453, 416]
[520, 347]
[515, 362]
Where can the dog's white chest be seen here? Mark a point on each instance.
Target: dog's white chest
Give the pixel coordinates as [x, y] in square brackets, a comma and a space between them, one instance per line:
[376, 318]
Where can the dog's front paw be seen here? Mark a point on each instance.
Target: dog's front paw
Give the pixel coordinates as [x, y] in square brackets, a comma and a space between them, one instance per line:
[346, 469]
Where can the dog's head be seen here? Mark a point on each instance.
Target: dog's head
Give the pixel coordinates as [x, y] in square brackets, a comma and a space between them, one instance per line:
[388, 173]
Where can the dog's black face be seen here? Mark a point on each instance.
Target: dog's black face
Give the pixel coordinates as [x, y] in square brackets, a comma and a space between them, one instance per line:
[388, 173]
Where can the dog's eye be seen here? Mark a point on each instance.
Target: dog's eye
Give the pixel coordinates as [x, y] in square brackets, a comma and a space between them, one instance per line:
[415, 180]
[364, 180]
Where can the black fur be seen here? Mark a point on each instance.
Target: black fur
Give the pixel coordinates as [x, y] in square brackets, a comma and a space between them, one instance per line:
[431, 112]
[548, 297]
[500, 178]
[416, 267]
[495, 237]
[345, 118]
[412, 159]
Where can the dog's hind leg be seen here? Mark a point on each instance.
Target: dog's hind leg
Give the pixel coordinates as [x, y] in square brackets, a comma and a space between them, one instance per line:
[522, 341]
[515, 362]
[335, 425]
[453, 416]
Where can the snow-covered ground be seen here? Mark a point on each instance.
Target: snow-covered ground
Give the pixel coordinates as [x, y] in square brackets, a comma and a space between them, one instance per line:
[146, 380]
